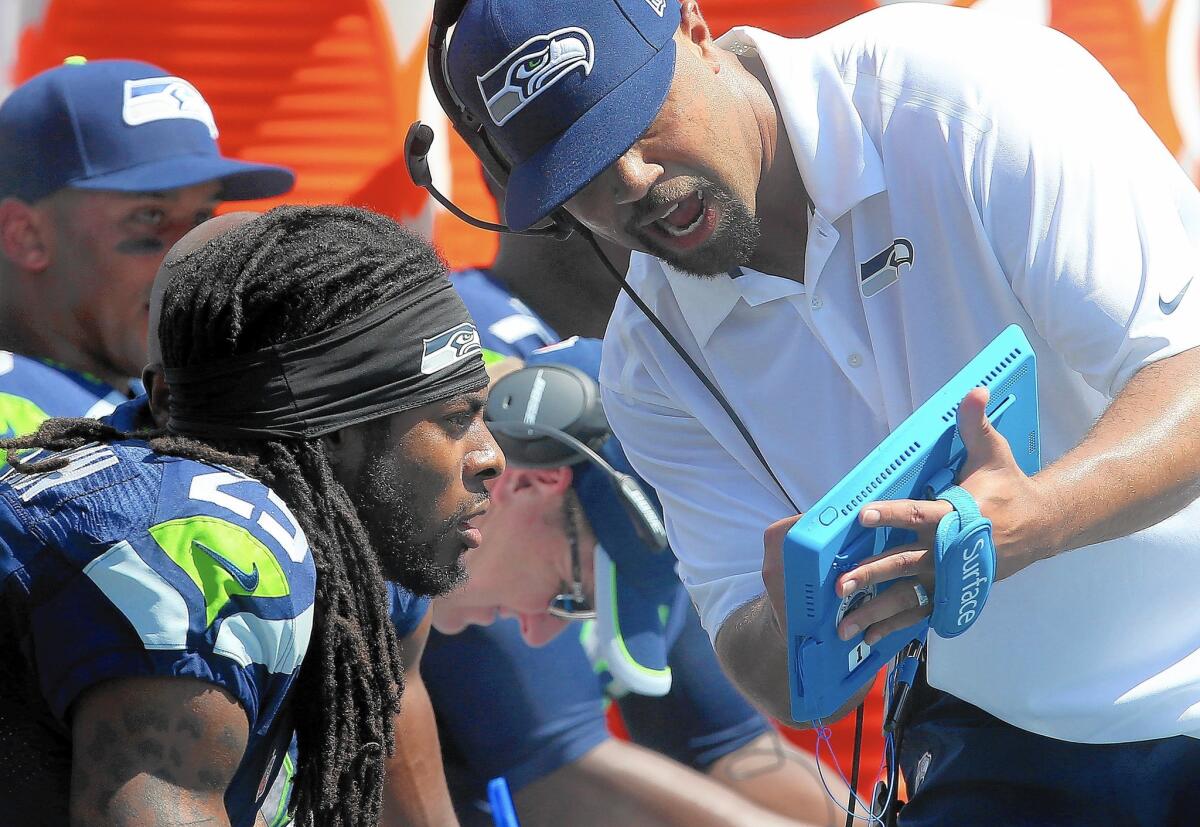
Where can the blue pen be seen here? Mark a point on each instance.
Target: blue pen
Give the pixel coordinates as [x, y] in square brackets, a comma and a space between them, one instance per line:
[503, 812]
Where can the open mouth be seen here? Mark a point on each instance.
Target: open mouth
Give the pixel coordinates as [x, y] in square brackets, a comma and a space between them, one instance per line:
[687, 223]
[684, 217]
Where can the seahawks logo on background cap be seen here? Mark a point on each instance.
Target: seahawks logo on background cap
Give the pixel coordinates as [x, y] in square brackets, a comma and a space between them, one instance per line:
[444, 349]
[532, 68]
[161, 99]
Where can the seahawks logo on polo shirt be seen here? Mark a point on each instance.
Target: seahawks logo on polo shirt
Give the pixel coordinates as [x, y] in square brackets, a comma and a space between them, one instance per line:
[444, 349]
[160, 99]
[883, 269]
[532, 68]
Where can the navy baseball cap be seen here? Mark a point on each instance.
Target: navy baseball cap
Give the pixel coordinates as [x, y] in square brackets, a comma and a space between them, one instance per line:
[118, 125]
[564, 87]
[636, 586]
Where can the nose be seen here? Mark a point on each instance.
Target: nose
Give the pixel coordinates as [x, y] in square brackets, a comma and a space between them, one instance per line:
[539, 629]
[633, 175]
[485, 461]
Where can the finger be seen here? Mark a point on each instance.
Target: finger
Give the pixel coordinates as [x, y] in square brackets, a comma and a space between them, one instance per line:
[895, 623]
[776, 531]
[899, 599]
[973, 424]
[984, 444]
[772, 566]
[850, 582]
[909, 561]
[914, 515]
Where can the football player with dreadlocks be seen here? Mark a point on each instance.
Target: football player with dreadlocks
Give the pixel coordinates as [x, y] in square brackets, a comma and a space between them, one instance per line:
[312, 427]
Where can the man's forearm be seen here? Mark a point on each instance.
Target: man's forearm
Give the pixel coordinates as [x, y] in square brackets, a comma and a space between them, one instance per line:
[415, 793]
[621, 783]
[753, 651]
[1139, 464]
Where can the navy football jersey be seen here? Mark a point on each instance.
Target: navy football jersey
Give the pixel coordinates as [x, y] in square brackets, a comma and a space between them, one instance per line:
[33, 390]
[126, 563]
[507, 327]
[406, 611]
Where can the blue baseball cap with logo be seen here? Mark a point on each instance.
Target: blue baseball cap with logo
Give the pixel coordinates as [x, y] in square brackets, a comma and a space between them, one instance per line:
[118, 125]
[637, 588]
[564, 87]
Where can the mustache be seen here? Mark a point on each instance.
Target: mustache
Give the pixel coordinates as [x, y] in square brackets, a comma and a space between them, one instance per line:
[460, 514]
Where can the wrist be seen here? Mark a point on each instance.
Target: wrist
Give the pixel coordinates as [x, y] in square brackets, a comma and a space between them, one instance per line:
[1047, 531]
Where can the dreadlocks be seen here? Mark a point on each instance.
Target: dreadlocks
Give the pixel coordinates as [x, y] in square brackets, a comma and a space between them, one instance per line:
[293, 272]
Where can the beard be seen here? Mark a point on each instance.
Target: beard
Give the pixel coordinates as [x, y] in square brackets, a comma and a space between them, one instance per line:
[387, 505]
[732, 244]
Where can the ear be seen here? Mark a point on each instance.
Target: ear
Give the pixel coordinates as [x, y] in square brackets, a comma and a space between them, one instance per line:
[23, 236]
[158, 394]
[694, 30]
[554, 480]
[543, 480]
[333, 444]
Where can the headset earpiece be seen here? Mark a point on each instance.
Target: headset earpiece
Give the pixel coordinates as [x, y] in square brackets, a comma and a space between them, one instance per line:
[547, 415]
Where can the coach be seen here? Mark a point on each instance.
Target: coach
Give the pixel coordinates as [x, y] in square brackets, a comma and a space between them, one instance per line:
[832, 227]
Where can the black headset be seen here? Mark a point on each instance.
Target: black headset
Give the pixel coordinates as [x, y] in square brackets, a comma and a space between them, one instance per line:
[560, 224]
[547, 415]
[419, 139]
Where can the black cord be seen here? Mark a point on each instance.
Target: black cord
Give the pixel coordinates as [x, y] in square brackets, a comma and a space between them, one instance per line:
[691, 363]
[858, 728]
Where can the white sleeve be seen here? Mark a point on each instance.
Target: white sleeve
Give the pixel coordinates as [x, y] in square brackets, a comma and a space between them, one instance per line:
[715, 510]
[1095, 224]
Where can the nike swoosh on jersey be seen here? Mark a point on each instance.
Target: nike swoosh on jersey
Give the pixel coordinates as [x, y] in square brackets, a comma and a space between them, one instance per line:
[1168, 308]
[248, 580]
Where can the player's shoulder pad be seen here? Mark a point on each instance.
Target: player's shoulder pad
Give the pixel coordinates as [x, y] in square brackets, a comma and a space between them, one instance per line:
[96, 493]
[32, 391]
[198, 500]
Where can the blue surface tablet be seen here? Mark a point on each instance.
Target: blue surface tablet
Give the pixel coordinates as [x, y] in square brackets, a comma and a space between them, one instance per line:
[828, 540]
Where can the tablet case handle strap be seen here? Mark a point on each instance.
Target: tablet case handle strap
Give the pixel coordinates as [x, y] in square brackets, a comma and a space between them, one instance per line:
[964, 564]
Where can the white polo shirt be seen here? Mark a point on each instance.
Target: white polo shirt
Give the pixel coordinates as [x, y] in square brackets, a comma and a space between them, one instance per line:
[1027, 190]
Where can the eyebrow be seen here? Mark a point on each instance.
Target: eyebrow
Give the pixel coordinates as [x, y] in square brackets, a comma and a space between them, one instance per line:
[477, 400]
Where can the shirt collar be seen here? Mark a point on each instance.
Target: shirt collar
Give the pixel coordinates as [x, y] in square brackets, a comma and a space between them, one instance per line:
[706, 301]
[838, 163]
[837, 160]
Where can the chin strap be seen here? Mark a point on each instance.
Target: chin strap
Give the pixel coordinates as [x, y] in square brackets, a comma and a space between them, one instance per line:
[964, 564]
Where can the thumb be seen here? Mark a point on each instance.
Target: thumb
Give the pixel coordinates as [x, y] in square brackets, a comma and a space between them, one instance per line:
[984, 443]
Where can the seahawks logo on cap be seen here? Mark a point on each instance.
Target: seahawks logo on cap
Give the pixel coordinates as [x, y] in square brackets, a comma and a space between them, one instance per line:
[161, 99]
[532, 68]
[444, 349]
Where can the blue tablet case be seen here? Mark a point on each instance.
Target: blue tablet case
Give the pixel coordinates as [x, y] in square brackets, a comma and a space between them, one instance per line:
[828, 540]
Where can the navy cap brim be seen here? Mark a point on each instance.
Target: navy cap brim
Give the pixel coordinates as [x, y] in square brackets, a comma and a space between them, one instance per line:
[240, 181]
[568, 163]
[631, 628]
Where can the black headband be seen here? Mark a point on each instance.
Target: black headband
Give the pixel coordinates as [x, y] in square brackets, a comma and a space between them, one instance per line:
[414, 349]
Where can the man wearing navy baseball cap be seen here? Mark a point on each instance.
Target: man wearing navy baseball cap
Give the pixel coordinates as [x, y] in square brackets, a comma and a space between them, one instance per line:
[830, 228]
[103, 166]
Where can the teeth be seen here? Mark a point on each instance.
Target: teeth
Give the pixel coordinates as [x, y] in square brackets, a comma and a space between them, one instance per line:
[680, 231]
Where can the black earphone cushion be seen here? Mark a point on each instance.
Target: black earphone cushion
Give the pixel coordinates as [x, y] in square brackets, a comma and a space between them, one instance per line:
[555, 396]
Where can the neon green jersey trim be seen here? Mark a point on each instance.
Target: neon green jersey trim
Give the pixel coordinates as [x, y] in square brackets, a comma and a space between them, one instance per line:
[220, 557]
[491, 357]
[619, 638]
[284, 814]
[19, 417]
